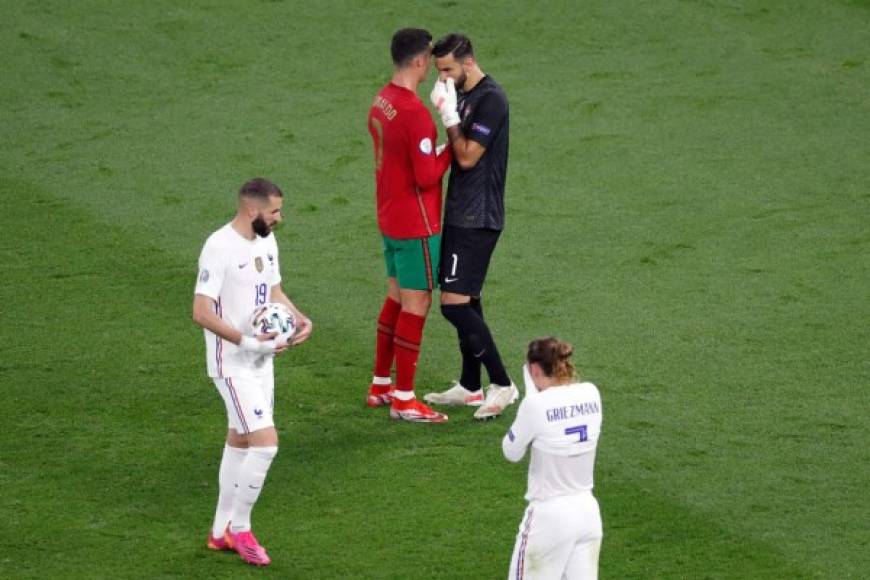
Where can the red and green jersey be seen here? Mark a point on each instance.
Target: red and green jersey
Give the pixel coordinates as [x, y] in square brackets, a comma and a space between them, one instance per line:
[408, 171]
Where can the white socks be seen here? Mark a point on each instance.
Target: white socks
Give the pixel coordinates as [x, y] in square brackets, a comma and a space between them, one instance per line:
[231, 464]
[249, 483]
[403, 395]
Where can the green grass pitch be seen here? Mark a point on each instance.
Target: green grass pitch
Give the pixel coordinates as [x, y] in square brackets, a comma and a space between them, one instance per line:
[688, 203]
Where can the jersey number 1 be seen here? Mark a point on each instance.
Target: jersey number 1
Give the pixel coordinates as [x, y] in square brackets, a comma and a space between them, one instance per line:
[455, 263]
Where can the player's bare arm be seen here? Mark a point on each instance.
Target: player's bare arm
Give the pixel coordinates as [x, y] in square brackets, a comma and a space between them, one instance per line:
[204, 315]
[305, 324]
[467, 152]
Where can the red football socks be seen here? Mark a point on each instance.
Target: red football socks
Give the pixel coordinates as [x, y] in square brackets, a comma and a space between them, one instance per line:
[384, 343]
[409, 334]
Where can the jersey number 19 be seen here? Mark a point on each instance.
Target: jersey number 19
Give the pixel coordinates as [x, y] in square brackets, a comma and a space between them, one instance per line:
[260, 294]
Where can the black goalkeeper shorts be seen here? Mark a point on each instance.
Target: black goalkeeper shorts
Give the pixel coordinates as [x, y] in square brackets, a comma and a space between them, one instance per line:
[465, 255]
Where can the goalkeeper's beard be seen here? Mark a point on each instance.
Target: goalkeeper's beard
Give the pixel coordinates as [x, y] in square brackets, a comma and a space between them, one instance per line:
[261, 228]
[460, 82]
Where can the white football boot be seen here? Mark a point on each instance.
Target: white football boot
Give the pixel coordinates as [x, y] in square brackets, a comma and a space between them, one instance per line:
[456, 395]
[497, 400]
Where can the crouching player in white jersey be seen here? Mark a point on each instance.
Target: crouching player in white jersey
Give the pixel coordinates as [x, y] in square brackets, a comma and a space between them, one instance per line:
[560, 533]
[238, 271]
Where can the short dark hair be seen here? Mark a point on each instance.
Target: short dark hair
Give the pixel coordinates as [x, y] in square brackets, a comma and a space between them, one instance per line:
[454, 43]
[260, 188]
[408, 43]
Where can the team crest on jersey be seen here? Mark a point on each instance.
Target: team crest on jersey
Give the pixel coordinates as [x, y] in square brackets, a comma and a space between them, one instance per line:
[258, 263]
[271, 259]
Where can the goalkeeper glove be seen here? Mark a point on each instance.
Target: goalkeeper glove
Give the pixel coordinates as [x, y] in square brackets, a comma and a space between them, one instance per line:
[444, 98]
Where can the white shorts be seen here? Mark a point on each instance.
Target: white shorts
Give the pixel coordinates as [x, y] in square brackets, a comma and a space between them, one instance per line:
[249, 402]
[559, 538]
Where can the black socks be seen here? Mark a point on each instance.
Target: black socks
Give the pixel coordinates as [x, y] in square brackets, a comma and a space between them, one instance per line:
[476, 344]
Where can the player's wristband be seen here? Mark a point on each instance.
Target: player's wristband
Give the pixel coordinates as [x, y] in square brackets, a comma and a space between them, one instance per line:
[251, 344]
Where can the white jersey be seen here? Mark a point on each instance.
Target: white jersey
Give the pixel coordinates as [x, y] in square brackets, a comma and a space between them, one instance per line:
[562, 424]
[238, 274]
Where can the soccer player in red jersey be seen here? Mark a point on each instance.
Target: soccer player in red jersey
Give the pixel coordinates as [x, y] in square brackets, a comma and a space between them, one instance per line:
[408, 172]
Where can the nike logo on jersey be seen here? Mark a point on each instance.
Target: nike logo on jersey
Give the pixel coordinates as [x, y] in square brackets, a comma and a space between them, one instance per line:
[448, 279]
[242, 265]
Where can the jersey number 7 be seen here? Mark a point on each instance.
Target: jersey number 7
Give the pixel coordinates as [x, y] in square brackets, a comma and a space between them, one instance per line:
[579, 430]
[379, 146]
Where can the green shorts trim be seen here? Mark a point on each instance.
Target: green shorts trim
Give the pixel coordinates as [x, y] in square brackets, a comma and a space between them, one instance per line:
[414, 261]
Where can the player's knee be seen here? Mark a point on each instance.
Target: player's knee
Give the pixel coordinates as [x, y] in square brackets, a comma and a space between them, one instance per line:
[416, 301]
[235, 439]
[475, 344]
[453, 312]
[266, 453]
[267, 437]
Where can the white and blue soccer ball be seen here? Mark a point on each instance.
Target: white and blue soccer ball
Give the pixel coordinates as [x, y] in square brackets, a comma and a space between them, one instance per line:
[273, 317]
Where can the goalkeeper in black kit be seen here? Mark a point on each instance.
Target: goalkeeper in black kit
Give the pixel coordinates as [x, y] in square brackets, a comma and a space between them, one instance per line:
[474, 111]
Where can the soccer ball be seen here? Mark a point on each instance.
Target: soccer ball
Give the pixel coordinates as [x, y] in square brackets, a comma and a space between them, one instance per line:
[273, 317]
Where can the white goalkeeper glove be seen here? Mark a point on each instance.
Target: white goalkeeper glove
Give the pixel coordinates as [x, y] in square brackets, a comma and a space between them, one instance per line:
[253, 345]
[444, 98]
[438, 94]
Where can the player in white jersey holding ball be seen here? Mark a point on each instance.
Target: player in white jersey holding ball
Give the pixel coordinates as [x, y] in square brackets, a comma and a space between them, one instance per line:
[560, 533]
[238, 271]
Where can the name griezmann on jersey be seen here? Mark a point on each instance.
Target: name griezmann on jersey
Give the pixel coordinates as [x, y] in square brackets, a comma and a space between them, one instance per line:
[569, 411]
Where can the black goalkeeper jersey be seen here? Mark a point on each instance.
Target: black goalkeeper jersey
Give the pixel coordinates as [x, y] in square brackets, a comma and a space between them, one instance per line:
[475, 197]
